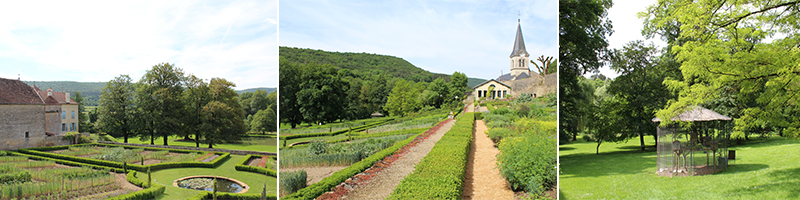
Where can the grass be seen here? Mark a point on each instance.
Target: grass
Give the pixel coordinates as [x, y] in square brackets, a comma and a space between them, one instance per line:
[254, 180]
[172, 142]
[761, 171]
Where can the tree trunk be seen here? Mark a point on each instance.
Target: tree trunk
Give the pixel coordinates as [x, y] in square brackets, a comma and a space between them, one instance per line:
[574, 137]
[125, 135]
[210, 145]
[152, 138]
[597, 149]
[641, 140]
[197, 139]
[165, 140]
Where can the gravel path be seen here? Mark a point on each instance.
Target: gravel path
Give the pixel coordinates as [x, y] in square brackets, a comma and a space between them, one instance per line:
[383, 184]
[315, 174]
[471, 107]
[483, 180]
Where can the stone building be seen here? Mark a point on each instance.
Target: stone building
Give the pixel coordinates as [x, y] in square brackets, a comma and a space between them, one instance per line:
[69, 109]
[521, 79]
[26, 118]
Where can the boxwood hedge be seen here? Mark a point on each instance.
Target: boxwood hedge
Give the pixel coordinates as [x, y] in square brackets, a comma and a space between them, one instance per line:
[242, 166]
[440, 175]
[355, 129]
[224, 195]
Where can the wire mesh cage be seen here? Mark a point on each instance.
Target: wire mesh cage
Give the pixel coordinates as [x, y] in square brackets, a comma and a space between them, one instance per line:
[691, 149]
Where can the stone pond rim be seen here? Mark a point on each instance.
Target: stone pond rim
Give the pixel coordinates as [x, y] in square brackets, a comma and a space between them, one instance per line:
[245, 187]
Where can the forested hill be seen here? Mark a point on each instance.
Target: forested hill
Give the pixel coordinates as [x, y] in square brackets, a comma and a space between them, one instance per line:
[90, 91]
[366, 63]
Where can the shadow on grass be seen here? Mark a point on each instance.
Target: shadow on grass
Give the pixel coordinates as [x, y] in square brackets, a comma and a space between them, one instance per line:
[733, 169]
[607, 163]
[561, 195]
[782, 181]
[566, 148]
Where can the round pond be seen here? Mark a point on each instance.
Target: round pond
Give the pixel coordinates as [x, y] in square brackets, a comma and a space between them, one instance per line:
[206, 183]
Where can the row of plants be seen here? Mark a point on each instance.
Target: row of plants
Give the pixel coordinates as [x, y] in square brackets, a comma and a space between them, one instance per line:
[525, 134]
[440, 175]
[149, 193]
[224, 195]
[354, 129]
[363, 135]
[242, 166]
[62, 183]
[320, 153]
[67, 162]
[39, 152]
[293, 181]
[331, 127]
[30, 164]
[420, 122]
[314, 190]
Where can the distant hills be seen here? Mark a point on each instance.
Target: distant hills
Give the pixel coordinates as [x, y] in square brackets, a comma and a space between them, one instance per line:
[91, 90]
[366, 62]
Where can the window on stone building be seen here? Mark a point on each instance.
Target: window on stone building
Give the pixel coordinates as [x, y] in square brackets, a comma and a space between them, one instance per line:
[27, 135]
[63, 127]
[63, 114]
[73, 114]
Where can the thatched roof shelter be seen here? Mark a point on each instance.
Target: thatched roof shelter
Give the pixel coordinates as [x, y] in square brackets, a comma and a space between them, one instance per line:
[696, 114]
[376, 114]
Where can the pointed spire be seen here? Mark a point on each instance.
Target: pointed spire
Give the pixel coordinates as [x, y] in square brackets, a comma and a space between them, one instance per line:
[519, 43]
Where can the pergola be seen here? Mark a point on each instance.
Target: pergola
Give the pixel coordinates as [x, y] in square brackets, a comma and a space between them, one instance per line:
[680, 148]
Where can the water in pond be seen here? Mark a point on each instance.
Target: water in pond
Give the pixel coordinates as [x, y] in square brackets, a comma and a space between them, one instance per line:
[223, 185]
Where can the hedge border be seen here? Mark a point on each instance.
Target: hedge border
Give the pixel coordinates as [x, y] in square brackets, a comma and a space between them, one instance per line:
[214, 163]
[241, 166]
[67, 162]
[441, 173]
[224, 195]
[315, 190]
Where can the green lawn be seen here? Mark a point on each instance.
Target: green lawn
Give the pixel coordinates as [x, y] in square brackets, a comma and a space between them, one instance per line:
[254, 180]
[764, 169]
[247, 147]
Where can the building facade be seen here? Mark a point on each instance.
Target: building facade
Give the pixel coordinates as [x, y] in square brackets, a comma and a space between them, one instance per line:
[491, 89]
[27, 119]
[68, 115]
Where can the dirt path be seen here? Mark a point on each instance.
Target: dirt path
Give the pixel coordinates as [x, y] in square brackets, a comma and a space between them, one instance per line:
[483, 180]
[315, 174]
[383, 184]
[471, 107]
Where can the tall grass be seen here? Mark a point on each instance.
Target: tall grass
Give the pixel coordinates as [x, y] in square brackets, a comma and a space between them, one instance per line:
[336, 154]
[292, 181]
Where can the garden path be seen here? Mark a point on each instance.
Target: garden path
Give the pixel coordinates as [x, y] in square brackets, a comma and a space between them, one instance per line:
[471, 107]
[483, 179]
[382, 185]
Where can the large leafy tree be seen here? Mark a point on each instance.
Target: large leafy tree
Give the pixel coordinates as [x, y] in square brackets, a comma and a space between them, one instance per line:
[290, 85]
[264, 121]
[83, 121]
[639, 89]
[195, 98]
[223, 115]
[403, 99]
[725, 47]
[583, 28]
[321, 96]
[116, 111]
[161, 92]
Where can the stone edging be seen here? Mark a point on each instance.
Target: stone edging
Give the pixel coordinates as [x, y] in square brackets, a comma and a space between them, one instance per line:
[246, 187]
[237, 152]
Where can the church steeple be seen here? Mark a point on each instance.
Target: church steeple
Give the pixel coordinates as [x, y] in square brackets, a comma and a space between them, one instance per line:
[519, 44]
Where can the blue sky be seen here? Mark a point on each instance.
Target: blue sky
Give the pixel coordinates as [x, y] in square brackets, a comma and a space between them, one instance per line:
[474, 37]
[92, 41]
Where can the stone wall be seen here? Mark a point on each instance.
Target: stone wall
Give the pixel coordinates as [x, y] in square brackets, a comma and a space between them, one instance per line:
[535, 84]
[52, 119]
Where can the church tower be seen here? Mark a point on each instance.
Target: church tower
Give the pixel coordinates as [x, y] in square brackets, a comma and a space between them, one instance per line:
[519, 56]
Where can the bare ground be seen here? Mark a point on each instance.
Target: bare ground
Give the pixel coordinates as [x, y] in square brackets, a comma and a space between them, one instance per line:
[383, 184]
[483, 179]
[315, 174]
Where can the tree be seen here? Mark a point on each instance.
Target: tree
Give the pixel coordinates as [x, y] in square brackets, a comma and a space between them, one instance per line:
[161, 97]
[264, 121]
[194, 99]
[546, 65]
[222, 117]
[458, 82]
[290, 85]
[116, 110]
[321, 97]
[583, 28]
[724, 47]
[83, 120]
[402, 100]
[441, 91]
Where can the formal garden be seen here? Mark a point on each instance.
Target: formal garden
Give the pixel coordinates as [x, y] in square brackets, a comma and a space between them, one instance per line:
[96, 171]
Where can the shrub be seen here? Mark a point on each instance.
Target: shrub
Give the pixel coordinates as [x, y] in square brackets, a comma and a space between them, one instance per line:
[317, 147]
[528, 162]
[440, 175]
[497, 134]
[292, 181]
[19, 177]
[149, 193]
[225, 195]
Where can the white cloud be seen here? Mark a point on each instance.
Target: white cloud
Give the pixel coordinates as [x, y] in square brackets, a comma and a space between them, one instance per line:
[96, 41]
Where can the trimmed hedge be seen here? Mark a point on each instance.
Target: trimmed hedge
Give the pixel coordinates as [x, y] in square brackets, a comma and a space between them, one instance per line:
[440, 175]
[131, 177]
[214, 163]
[149, 193]
[242, 166]
[359, 128]
[317, 189]
[224, 195]
[67, 162]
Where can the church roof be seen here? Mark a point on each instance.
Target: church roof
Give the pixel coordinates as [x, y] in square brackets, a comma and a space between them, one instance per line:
[519, 44]
[17, 92]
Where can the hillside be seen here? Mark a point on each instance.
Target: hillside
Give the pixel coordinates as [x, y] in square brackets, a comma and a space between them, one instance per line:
[367, 63]
[91, 90]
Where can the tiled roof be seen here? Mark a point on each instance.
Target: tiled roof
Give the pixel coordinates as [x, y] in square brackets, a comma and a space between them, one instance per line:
[59, 96]
[17, 92]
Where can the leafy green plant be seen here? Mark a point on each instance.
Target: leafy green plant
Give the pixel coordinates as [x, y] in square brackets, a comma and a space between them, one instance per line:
[292, 181]
[529, 162]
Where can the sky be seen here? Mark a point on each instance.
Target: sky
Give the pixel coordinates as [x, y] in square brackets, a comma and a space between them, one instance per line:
[95, 41]
[627, 27]
[470, 36]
